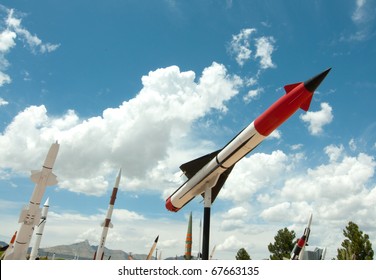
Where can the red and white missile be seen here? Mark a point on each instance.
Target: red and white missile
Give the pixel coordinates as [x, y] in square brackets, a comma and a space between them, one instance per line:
[212, 170]
[107, 222]
[39, 231]
[297, 252]
[31, 213]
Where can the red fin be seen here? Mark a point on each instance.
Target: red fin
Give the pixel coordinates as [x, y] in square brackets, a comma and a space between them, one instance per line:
[305, 105]
[290, 87]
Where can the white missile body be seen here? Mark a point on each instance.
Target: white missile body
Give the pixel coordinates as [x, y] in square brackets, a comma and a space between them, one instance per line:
[107, 222]
[39, 231]
[31, 214]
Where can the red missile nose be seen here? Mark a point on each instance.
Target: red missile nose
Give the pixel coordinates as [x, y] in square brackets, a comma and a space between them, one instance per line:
[171, 207]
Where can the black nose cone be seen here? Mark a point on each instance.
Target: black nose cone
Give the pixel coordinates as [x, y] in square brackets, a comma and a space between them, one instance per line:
[313, 83]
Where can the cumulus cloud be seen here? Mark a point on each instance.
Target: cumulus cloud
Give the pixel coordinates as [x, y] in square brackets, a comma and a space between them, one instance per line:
[240, 46]
[316, 120]
[141, 136]
[252, 94]
[253, 173]
[264, 50]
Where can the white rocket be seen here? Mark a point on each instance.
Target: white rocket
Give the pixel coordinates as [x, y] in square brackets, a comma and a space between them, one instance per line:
[107, 222]
[39, 231]
[30, 215]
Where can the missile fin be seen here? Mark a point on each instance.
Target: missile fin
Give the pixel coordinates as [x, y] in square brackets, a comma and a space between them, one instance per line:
[51, 180]
[192, 167]
[290, 87]
[305, 105]
[35, 175]
[23, 215]
[111, 225]
[221, 181]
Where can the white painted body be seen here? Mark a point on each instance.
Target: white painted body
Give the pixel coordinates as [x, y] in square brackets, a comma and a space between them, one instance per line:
[107, 222]
[31, 214]
[208, 176]
[39, 231]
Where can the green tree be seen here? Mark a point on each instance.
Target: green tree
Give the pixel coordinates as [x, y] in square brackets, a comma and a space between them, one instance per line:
[283, 245]
[242, 255]
[356, 246]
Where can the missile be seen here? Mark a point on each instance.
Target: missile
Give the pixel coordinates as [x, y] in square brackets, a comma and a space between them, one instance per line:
[212, 170]
[8, 248]
[188, 240]
[152, 249]
[39, 231]
[31, 213]
[107, 222]
[297, 252]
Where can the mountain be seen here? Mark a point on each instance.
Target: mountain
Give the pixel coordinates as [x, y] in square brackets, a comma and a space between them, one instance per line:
[85, 251]
[81, 251]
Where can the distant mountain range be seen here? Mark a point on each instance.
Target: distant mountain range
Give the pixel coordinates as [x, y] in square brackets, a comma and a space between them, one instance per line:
[84, 251]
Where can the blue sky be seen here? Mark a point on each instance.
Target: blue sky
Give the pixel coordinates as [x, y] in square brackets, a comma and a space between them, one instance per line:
[148, 85]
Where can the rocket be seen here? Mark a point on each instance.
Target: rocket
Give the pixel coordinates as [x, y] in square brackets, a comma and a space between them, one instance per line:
[8, 248]
[297, 252]
[211, 171]
[188, 240]
[152, 249]
[39, 231]
[107, 222]
[31, 213]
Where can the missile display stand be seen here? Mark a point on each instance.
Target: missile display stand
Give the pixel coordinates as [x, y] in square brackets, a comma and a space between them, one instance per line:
[206, 231]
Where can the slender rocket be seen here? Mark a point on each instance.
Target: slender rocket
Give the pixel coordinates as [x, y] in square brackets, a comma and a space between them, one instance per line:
[9, 248]
[152, 249]
[188, 240]
[39, 231]
[107, 222]
[297, 252]
[212, 170]
[30, 215]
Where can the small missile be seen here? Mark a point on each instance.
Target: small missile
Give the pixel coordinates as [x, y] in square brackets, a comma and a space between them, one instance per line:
[30, 215]
[107, 222]
[152, 249]
[297, 252]
[212, 170]
[39, 231]
[188, 240]
[9, 248]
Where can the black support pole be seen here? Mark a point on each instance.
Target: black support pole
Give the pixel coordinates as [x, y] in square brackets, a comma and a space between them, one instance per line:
[206, 230]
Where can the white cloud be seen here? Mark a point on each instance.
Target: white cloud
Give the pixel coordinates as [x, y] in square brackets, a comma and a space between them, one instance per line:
[363, 18]
[12, 31]
[316, 120]
[254, 173]
[352, 145]
[7, 40]
[253, 94]
[334, 152]
[231, 243]
[142, 135]
[33, 41]
[264, 50]
[360, 12]
[240, 45]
